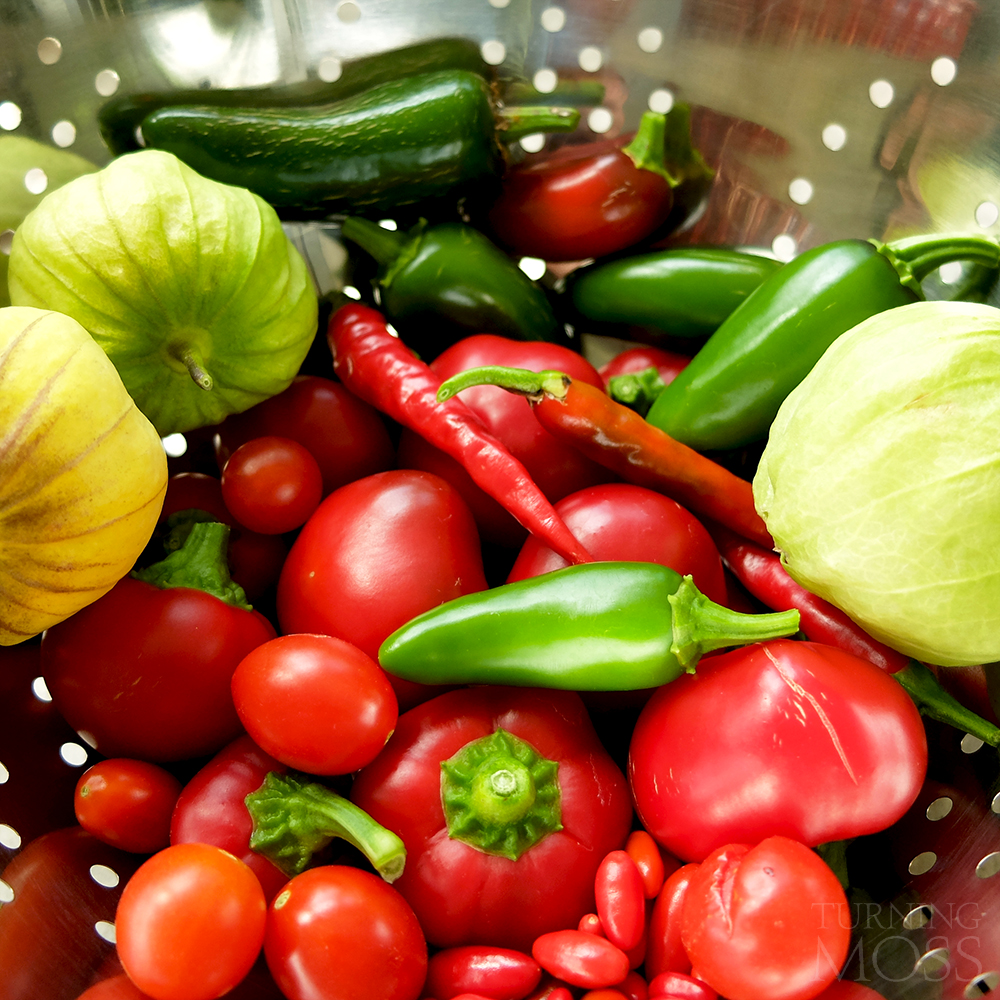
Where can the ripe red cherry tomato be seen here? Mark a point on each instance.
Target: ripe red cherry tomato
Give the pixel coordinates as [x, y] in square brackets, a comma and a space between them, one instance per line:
[769, 922]
[190, 923]
[315, 702]
[127, 803]
[272, 484]
[340, 933]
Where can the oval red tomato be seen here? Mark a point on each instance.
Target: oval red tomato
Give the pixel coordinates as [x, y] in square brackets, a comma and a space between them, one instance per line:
[339, 933]
[315, 702]
[769, 922]
[190, 923]
[790, 738]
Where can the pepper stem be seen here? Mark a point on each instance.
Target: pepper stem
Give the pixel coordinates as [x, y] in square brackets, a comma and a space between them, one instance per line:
[500, 796]
[700, 625]
[916, 257]
[522, 381]
[516, 122]
[647, 148]
[383, 244]
[200, 563]
[637, 390]
[292, 819]
[933, 701]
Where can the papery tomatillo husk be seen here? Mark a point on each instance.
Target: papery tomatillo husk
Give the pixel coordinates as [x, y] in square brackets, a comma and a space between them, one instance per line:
[880, 481]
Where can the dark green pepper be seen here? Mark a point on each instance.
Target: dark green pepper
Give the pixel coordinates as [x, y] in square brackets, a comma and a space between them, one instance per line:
[730, 392]
[603, 626]
[681, 292]
[405, 141]
[119, 117]
[451, 271]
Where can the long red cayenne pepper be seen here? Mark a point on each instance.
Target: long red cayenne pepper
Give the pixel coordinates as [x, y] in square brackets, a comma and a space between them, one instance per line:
[379, 368]
[621, 440]
[763, 575]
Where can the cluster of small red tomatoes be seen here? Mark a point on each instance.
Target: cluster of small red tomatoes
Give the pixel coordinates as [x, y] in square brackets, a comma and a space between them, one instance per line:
[351, 532]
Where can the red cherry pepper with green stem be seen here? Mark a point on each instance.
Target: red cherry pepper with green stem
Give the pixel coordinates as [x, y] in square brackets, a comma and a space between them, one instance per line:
[587, 200]
[761, 572]
[507, 803]
[622, 441]
[378, 367]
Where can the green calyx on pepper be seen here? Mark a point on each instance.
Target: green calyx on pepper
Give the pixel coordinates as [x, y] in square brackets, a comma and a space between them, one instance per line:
[200, 563]
[500, 796]
[293, 818]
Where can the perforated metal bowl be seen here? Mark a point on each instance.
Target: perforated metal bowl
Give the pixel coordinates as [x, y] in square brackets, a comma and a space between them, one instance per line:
[824, 118]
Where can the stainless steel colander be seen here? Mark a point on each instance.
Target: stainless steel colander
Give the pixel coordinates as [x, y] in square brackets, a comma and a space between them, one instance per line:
[825, 119]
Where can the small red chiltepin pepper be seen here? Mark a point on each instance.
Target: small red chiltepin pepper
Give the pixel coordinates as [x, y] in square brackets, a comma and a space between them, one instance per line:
[379, 368]
[621, 440]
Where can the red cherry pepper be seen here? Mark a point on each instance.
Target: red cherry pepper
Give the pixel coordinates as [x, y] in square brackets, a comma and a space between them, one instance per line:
[581, 959]
[493, 973]
[587, 200]
[378, 367]
[624, 442]
[621, 902]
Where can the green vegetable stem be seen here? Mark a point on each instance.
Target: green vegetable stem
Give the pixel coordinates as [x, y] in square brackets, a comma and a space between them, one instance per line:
[451, 271]
[730, 392]
[400, 142]
[608, 626]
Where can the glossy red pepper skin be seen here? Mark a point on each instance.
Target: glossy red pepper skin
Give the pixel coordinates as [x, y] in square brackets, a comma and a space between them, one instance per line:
[379, 368]
[493, 973]
[679, 986]
[581, 959]
[645, 852]
[579, 202]
[621, 902]
[461, 894]
[664, 949]
[211, 808]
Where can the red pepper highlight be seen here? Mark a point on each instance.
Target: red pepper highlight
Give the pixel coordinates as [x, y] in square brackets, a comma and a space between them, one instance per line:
[378, 367]
[621, 440]
[581, 959]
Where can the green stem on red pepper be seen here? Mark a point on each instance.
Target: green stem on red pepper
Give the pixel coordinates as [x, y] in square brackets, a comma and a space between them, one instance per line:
[200, 563]
[294, 818]
[637, 390]
[500, 795]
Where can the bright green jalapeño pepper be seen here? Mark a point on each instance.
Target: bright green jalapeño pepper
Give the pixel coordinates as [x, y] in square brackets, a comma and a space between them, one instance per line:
[730, 392]
[604, 626]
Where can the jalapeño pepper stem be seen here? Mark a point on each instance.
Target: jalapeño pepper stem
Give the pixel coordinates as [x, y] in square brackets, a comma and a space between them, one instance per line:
[200, 563]
[500, 796]
[916, 257]
[647, 149]
[292, 819]
[383, 244]
[515, 123]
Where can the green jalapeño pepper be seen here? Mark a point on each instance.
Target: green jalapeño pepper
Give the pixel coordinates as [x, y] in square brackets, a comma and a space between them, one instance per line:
[680, 292]
[730, 392]
[607, 626]
[119, 117]
[401, 142]
[451, 271]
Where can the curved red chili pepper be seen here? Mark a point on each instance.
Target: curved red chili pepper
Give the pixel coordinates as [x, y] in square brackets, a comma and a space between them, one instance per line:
[378, 367]
[761, 572]
[621, 440]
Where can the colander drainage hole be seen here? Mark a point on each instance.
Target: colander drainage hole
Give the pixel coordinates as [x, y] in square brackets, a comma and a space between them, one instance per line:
[981, 985]
[9, 837]
[6, 893]
[103, 875]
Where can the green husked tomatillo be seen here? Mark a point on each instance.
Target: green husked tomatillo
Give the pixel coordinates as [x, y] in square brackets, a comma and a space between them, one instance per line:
[880, 481]
[602, 626]
[190, 286]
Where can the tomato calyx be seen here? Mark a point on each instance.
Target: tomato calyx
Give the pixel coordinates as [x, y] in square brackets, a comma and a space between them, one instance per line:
[199, 564]
[500, 796]
[293, 818]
